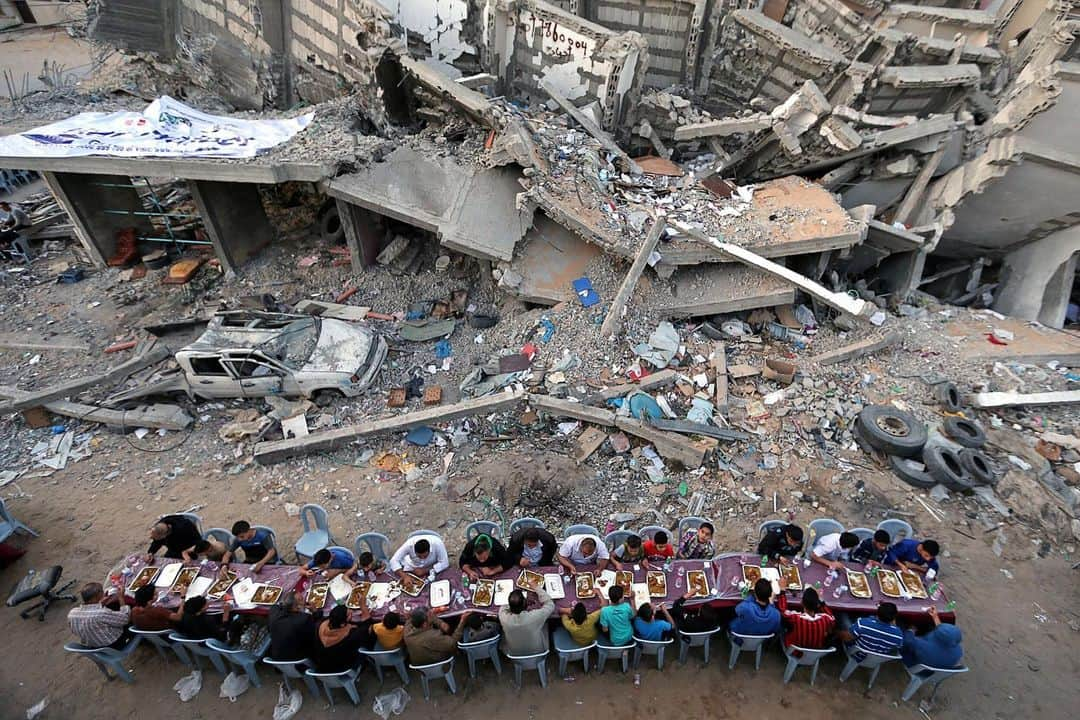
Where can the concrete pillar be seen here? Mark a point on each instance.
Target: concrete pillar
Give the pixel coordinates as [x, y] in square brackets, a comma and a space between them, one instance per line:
[85, 198]
[363, 233]
[234, 219]
[1037, 279]
[900, 273]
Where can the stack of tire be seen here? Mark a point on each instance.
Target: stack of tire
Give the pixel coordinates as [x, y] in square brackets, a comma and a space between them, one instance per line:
[954, 460]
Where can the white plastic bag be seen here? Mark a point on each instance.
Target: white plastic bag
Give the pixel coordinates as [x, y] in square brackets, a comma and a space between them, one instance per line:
[288, 704]
[392, 702]
[233, 686]
[189, 685]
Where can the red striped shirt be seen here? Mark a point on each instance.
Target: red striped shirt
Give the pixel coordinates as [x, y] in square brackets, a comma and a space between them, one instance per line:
[805, 630]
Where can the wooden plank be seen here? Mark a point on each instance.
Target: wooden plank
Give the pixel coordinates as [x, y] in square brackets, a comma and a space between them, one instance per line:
[917, 188]
[649, 382]
[718, 360]
[668, 445]
[589, 442]
[858, 349]
[692, 428]
[590, 127]
[613, 321]
[167, 417]
[277, 450]
[566, 408]
[1012, 399]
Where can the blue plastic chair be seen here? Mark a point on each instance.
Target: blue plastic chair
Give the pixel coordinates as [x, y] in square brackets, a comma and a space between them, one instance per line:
[221, 535]
[416, 533]
[692, 522]
[702, 640]
[580, 529]
[862, 533]
[922, 674]
[537, 662]
[387, 658]
[375, 543]
[482, 650]
[316, 534]
[107, 658]
[242, 659]
[898, 529]
[346, 680]
[481, 527]
[825, 526]
[809, 657]
[525, 523]
[160, 640]
[294, 669]
[194, 649]
[435, 671]
[569, 651]
[651, 647]
[871, 660]
[606, 650]
[769, 525]
[750, 643]
[649, 532]
[9, 525]
[615, 538]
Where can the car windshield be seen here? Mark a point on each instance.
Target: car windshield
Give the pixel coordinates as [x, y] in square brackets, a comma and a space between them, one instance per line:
[295, 343]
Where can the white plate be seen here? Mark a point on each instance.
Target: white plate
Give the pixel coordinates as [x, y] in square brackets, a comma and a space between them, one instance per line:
[168, 574]
[641, 593]
[440, 593]
[503, 588]
[606, 580]
[340, 588]
[243, 591]
[553, 585]
[199, 586]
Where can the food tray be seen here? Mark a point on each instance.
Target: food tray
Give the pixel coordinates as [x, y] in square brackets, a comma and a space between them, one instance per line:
[584, 585]
[221, 585]
[913, 584]
[266, 595]
[553, 586]
[184, 578]
[316, 596]
[145, 577]
[657, 582]
[625, 579]
[440, 593]
[697, 583]
[889, 583]
[358, 593]
[791, 574]
[751, 573]
[412, 585]
[858, 584]
[484, 593]
[528, 580]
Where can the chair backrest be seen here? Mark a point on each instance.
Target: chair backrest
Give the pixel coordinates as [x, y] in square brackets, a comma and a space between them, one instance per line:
[769, 525]
[288, 668]
[482, 527]
[687, 523]
[652, 643]
[580, 529]
[898, 529]
[615, 538]
[327, 676]
[649, 531]
[862, 533]
[314, 517]
[444, 666]
[221, 535]
[809, 655]
[415, 533]
[150, 634]
[195, 519]
[825, 526]
[704, 633]
[375, 543]
[184, 640]
[873, 659]
[480, 643]
[273, 535]
[751, 642]
[936, 673]
[526, 522]
[80, 648]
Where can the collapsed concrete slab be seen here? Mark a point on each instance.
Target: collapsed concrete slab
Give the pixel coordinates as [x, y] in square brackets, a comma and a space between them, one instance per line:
[546, 261]
[716, 289]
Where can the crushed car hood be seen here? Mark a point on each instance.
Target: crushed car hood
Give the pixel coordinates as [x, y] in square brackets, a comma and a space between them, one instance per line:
[342, 347]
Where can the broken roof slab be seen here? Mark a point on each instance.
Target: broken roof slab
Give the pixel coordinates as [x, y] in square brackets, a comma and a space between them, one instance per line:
[907, 76]
[710, 289]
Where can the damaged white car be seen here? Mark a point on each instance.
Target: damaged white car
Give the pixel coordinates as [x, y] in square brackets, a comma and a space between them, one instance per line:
[255, 354]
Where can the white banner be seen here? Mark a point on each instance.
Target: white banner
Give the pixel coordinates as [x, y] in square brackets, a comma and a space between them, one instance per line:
[167, 128]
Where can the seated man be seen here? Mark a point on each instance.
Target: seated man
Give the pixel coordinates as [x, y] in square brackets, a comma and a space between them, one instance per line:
[809, 628]
[483, 556]
[366, 563]
[525, 631]
[292, 630]
[939, 648]
[659, 549]
[195, 623]
[420, 554]
[176, 534]
[145, 616]
[479, 627]
[829, 549]
[915, 555]
[428, 639]
[706, 619]
[756, 614]
[697, 544]
[617, 618]
[331, 562]
[781, 543]
[872, 550]
[631, 551]
[649, 627]
[390, 633]
[583, 549]
[336, 643]
[532, 547]
[97, 625]
[579, 623]
[874, 633]
[208, 548]
[257, 544]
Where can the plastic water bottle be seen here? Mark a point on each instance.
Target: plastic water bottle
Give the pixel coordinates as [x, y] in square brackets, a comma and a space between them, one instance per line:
[829, 578]
[840, 590]
[935, 591]
[764, 561]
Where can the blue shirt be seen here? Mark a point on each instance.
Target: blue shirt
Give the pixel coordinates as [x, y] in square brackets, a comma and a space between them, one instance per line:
[873, 635]
[651, 630]
[256, 548]
[939, 648]
[753, 619]
[339, 560]
[615, 619]
[907, 551]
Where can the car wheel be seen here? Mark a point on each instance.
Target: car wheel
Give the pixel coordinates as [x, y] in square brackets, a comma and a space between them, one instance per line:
[964, 432]
[943, 464]
[860, 438]
[330, 228]
[978, 466]
[894, 431]
[948, 396]
[912, 472]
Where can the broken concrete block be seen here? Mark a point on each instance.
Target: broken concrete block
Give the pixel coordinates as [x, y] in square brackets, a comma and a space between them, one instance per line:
[839, 134]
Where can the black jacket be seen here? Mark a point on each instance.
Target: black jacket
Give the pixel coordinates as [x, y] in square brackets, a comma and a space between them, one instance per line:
[291, 634]
[202, 627]
[547, 543]
[691, 622]
[182, 535]
[774, 544]
[497, 558]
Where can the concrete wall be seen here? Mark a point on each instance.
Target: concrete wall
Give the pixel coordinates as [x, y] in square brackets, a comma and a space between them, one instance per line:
[140, 25]
[830, 22]
[440, 23]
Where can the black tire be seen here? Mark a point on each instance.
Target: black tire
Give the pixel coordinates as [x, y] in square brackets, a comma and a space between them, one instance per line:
[330, 227]
[907, 470]
[978, 466]
[860, 438]
[893, 431]
[943, 464]
[964, 432]
[948, 396]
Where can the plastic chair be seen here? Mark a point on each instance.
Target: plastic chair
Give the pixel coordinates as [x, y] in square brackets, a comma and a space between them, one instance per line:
[242, 659]
[375, 543]
[649, 531]
[605, 650]
[897, 529]
[651, 647]
[687, 523]
[872, 660]
[825, 526]
[192, 649]
[221, 535]
[273, 542]
[9, 525]
[537, 662]
[769, 525]
[702, 640]
[387, 658]
[346, 680]
[195, 519]
[159, 639]
[416, 533]
[935, 678]
[434, 671]
[750, 643]
[482, 650]
[862, 533]
[580, 529]
[615, 538]
[108, 658]
[481, 527]
[294, 669]
[569, 651]
[809, 657]
[526, 522]
[316, 534]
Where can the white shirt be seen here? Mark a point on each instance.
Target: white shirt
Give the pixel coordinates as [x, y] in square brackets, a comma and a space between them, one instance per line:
[571, 550]
[405, 558]
[828, 547]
